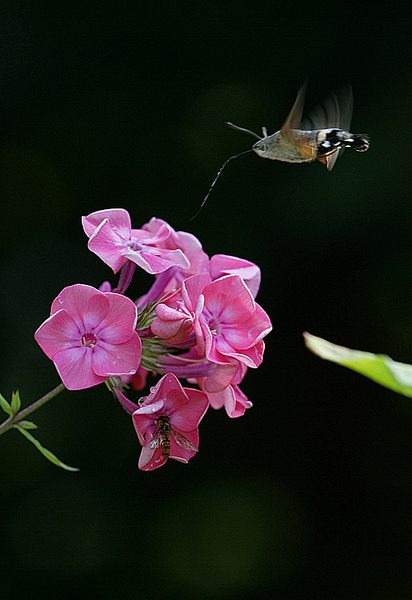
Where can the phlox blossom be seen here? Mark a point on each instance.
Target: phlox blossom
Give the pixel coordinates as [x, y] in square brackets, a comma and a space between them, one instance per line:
[228, 324]
[231, 397]
[90, 336]
[223, 264]
[166, 423]
[112, 238]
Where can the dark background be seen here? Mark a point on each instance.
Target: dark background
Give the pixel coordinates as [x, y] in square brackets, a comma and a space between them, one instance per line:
[122, 105]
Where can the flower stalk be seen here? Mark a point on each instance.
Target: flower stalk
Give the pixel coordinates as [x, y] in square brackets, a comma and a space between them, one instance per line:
[22, 414]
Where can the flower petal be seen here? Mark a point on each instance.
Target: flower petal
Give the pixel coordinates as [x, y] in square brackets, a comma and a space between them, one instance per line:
[156, 260]
[74, 368]
[57, 333]
[248, 332]
[144, 421]
[120, 320]
[223, 264]
[153, 232]
[117, 359]
[118, 217]
[84, 303]
[151, 458]
[229, 300]
[220, 377]
[180, 445]
[192, 289]
[187, 411]
[109, 245]
[251, 357]
[233, 399]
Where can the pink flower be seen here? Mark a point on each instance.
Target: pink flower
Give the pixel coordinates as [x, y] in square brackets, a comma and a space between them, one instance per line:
[223, 264]
[166, 423]
[229, 325]
[187, 243]
[112, 238]
[173, 278]
[233, 399]
[230, 397]
[90, 336]
[174, 325]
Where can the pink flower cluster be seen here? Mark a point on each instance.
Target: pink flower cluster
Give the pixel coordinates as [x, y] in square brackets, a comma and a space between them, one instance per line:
[198, 322]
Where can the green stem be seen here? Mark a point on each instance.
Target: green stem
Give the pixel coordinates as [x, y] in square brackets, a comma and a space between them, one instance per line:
[13, 420]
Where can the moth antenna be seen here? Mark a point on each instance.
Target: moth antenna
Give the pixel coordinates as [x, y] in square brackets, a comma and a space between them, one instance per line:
[216, 178]
[243, 130]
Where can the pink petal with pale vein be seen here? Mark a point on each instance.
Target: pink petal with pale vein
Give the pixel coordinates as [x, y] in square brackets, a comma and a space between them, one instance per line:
[108, 245]
[229, 300]
[117, 359]
[158, 229]
[120, 321]
[154, 261]
[158, 258]
[251, 357]
[151, 408]
[233, 399]
[118, 217]
[223, 264]
[171, 323]
[74, 368]
[84, 303]
[192, 248]
[250, 331]
[57, 333]
[185, 415]
[144, 421]
[220, 377]
[151, 458]
[192, 289]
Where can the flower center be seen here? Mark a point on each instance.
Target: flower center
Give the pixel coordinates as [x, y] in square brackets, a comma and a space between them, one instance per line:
[214, 326]
[134, 245]
[89, 339]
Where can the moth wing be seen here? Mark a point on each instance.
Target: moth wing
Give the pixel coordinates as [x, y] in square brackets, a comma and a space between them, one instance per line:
[294, 117]
[329, 159]
[334, 111]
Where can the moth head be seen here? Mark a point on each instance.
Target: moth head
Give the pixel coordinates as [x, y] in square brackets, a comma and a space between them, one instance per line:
[260, 148]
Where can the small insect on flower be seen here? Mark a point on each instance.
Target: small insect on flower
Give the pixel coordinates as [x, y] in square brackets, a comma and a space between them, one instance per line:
[322, 135]
[162, 439]
[167, 421]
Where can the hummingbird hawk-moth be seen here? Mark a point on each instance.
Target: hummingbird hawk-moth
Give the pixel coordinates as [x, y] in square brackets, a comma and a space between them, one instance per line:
[322, 135]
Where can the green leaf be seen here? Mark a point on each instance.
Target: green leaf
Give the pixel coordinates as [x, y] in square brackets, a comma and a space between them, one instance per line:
[27, 424]
[15, 402]
[46, 453]
[4, 405]
[379, 367]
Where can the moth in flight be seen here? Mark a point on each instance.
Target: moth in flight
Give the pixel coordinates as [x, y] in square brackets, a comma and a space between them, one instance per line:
[322, 135]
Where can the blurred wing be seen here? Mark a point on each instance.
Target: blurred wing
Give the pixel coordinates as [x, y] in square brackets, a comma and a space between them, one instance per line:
[294, 118]
[335, 111]
[331, 158]
[183, 442]
[155, 442]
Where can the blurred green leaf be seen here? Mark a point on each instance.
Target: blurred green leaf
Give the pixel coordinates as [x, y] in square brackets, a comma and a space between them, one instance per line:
[46, 453]
[379, 367]
[27, 425]
[4, 405]
[15, 402]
